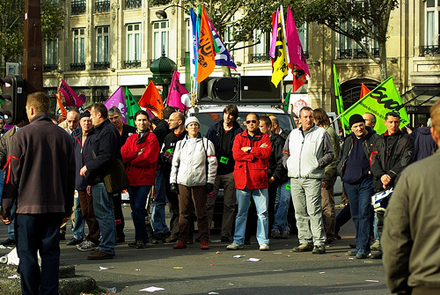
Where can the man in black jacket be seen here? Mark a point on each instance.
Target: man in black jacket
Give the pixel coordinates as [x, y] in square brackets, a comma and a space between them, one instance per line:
[101, 149]
[222, 135]
[393, 152]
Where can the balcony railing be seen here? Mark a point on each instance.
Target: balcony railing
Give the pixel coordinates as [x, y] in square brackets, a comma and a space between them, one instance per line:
[50, 67]
[260, 57]
[77, 66]
[78, 7]
[101, 65]
[132, 64]
[356, 53]
[130, 4]
[102, 6]
[430, 50]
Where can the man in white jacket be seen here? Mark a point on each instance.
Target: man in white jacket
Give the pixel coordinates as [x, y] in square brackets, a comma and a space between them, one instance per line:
[307, 151]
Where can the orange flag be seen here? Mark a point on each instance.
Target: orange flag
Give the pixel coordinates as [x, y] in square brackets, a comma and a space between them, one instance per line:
[364, 90]
[152, 100]
[60, 103]
[206, 59]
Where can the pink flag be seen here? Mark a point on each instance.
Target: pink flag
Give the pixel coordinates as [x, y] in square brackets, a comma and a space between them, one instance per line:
[117, 100]
[175, 93]
[296, 52]
[274, 33]
[70, 96]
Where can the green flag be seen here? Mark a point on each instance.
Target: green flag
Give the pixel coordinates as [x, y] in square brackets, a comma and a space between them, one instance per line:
[287, 101]
[131, 106]
[383, 99]
[338, 98]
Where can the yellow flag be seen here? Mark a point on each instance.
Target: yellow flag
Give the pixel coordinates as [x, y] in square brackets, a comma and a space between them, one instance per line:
[279, 67]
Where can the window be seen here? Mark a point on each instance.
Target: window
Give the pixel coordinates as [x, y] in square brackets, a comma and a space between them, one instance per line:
[133, 45]
[78, 7]
[102, 41]
[432, 23]
[160, 39]
[261, 50]
[78, 49]
[102, 6]
[51, 56]
[130, 4]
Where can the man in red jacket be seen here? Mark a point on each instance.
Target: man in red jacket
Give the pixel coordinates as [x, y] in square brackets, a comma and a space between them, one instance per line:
[251, 151]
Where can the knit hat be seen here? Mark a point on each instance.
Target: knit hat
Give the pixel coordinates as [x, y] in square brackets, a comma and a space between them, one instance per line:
[190, 120]
[356, 119]
[85, 114]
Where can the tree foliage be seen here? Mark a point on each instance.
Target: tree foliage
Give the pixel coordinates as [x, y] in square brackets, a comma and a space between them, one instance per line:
[12, 25]
[357, 20]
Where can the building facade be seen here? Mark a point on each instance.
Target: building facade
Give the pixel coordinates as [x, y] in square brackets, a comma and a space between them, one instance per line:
[112, 43]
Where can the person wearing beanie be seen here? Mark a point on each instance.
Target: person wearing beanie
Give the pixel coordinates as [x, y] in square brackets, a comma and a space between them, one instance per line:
[354, 169]
[192, 178]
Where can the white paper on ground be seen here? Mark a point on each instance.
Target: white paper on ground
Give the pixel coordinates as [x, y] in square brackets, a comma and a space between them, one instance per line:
[151, 289]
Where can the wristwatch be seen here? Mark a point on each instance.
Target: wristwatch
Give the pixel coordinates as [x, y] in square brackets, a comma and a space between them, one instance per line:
[249, 149]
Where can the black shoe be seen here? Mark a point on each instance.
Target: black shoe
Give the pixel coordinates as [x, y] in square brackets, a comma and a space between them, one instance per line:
[224, 239]
[74, 241]
[8, 242]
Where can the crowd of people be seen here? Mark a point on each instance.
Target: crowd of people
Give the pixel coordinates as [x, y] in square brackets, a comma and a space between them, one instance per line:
[169, 161]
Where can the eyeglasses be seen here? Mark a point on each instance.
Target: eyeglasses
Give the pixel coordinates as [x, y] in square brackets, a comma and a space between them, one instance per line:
[251, 121]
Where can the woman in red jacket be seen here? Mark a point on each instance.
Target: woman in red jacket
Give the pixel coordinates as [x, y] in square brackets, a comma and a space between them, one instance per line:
[139, 154]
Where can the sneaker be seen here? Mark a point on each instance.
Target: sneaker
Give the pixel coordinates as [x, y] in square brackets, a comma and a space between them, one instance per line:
[170, 240]
[86, 246]
[275, 234]
[285, 234]
[318, 250]
[180, 245]
[152, 240]
[99, 255]
[375, 246]
[352, 252]
[204, 245]
[377, 255]
[361, 254]
[224, 239]
[264, 247]
[142, 245]
[74, 241]
[234, 246]
[303, 248]
[8, 242]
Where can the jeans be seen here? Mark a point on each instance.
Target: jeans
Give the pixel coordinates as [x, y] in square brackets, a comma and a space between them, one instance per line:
[138, 201]
[11, 227]
[282, 203]
[261, 200]
[78, 229]
[159, 204]
[102, 205]
[343, 217]
[306, 198]
[39, 232]
[2, 183]
[88, 213]
[359, 196]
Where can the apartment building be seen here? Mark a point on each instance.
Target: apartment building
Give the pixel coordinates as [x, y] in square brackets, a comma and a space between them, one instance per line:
[112, 43]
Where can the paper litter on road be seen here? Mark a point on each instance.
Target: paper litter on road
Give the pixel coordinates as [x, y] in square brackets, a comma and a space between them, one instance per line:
[178, 267]
[238, 256]
[213, 293]
[105, 268]
[277, 252]
[322, 272]
[151, 289]
[252, 260]
[372, 281]
[14, 277]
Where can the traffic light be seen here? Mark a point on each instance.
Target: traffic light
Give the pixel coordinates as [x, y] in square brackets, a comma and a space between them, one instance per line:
[14, 99]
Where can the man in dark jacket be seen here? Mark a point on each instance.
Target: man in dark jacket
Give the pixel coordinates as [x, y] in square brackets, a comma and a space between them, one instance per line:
[424, 145]
[279, 184]
[41, 170]
[101, 149]
[91, 241]
[354, 169]
[222, 135]
[393, 152]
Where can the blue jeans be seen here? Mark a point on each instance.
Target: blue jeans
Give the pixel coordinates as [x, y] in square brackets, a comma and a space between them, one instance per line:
[78, 229]
[261, 200]
[2, 183]
[282, 203]
[39, 232]
[11, 227]
[159, 204]
[103, 207]
[138, 200]
[359, 197]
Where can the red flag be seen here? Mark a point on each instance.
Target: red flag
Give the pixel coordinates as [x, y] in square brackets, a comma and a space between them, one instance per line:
[60, 103]
[364, 90]
[152, 100]
[175, 93]
[70, 96]
[206, 60]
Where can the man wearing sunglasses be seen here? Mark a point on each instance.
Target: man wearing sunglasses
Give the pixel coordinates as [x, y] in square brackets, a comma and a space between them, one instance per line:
[307, 151]
[251, 152]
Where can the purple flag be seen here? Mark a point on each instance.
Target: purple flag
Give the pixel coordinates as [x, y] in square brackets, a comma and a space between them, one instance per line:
[222, 56]
[274, 33]
[117, 100]
[175, 93]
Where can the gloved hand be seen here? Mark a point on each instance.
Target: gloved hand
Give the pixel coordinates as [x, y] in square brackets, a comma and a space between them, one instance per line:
[174, 188]
[209, 188]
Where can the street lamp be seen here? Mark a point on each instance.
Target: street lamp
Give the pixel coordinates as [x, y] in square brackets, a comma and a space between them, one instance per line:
[161, 14]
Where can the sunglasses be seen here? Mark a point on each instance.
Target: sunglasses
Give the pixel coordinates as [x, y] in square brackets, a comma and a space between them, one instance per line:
[251, 121]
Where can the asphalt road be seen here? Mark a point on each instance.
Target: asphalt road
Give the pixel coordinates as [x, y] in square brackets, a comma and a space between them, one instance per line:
[216, 271]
